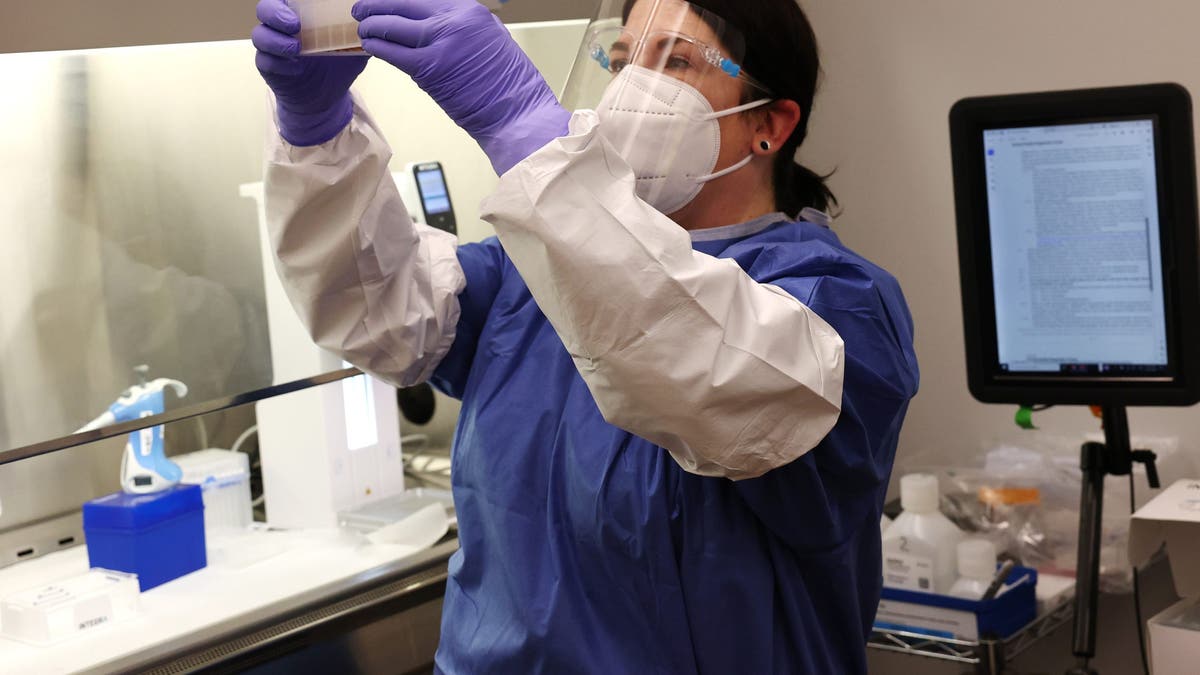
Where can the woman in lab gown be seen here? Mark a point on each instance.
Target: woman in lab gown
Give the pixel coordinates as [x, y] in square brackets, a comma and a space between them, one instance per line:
[677, 430]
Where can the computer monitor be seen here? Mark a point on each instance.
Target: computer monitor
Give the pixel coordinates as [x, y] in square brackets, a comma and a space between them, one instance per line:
[1077, 233]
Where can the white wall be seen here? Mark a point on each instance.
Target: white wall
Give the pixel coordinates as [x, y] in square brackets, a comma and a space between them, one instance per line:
[893, 70]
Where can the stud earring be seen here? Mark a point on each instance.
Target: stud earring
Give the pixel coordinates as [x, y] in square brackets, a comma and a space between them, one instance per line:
[765, 145]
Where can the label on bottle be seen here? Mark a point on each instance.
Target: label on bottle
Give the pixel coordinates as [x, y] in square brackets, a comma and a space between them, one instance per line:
[904, 566]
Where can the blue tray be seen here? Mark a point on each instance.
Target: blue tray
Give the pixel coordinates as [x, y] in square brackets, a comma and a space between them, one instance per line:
[999, 617]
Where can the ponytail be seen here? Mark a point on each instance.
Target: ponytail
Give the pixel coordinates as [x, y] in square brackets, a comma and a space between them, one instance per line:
[798, 187]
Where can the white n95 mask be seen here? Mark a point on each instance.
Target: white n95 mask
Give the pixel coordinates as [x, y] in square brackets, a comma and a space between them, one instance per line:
[668, 133]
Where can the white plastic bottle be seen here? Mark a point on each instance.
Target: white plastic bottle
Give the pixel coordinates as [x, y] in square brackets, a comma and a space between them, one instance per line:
[920, 549]
[976, 568]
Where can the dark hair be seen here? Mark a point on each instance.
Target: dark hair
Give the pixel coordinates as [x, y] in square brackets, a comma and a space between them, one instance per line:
[781, 52]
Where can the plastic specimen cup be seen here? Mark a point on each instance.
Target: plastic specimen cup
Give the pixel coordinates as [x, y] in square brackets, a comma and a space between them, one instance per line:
[326, 26]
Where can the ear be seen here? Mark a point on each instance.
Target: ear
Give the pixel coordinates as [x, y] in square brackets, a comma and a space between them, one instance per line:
[775, 124]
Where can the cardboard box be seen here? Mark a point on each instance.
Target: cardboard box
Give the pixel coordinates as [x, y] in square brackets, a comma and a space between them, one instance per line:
[1174, 637]
[1171, 518]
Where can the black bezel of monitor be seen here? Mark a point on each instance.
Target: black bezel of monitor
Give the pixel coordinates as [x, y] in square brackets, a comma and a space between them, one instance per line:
[1169, 105]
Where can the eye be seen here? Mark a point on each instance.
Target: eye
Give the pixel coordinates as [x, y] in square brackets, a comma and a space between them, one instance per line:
[617, 65]
[678, 63]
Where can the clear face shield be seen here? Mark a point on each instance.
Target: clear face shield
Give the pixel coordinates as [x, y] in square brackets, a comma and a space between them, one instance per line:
[661, 74]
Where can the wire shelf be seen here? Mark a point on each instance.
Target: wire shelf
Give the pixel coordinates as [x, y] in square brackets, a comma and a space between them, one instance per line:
[988, 654]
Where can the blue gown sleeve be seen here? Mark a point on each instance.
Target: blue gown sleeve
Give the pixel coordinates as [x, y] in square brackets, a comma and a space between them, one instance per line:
[821, 500]
[483, 264]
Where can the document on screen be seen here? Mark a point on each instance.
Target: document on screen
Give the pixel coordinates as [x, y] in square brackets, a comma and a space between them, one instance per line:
[1077, 265]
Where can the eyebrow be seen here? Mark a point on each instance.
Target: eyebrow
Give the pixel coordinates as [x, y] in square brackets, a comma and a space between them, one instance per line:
[663, 43]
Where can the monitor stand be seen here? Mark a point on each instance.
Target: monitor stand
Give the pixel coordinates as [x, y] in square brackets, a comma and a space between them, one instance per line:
[1113, 457]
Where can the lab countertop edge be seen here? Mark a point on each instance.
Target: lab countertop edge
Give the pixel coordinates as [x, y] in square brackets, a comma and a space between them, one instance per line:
[216, 606]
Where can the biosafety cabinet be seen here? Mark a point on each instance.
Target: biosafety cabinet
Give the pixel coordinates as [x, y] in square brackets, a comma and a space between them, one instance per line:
[130, 204]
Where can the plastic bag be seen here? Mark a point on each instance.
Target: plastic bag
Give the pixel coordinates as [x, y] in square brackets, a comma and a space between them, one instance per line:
[1025, 498]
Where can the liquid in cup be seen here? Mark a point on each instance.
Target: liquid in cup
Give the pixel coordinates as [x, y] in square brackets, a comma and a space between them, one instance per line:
[327, 26]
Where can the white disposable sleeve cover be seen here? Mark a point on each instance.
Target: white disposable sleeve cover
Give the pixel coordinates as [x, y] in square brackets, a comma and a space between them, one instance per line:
[370, 285]
[733, 377]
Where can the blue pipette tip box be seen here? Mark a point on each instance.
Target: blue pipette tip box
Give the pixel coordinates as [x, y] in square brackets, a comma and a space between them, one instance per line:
[159, 537]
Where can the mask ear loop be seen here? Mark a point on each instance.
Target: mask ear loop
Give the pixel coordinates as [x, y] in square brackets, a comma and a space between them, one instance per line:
[739, 109]
[726, 172]
[749, 158]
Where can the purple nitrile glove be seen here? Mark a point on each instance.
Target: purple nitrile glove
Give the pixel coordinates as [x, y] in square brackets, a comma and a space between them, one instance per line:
[465, 59]
[312, 93]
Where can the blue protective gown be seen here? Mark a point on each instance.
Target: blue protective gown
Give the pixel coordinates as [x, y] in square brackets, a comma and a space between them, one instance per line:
[585, 549]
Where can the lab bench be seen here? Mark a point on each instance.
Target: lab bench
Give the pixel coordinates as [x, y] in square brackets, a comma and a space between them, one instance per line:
[321, 601]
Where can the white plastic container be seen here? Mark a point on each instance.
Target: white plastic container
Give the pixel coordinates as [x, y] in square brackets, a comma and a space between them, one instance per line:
[48, 614]
[327, 26]
[976, 569]
[920, 549]
[224, 479]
